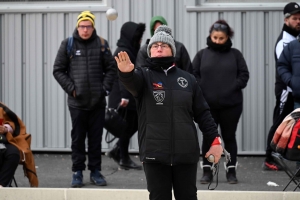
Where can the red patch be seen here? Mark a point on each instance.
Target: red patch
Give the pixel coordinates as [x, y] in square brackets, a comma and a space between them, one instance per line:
[157, 86]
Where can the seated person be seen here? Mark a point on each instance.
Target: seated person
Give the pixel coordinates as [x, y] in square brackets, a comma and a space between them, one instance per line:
[9, 155]
[14, 148]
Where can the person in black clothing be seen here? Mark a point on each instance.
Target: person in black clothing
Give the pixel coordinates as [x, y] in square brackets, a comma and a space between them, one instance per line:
[87, 77]
[222, 73]
[169, 100]
[130, 41]
[284, 98]
[182, 58]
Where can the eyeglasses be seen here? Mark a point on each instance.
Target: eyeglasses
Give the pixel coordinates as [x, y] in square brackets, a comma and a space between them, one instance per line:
[220, 26]
[163, 46]
[89, 27]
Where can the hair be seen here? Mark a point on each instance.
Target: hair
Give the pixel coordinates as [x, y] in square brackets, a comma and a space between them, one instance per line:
[229, 31]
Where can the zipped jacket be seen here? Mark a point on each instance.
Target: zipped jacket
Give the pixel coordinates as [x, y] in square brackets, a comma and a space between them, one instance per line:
[89, 71]
[288, 67]
[168, 104]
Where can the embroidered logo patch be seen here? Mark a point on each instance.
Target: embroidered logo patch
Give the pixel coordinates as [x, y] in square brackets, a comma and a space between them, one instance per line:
[159, 96]
[157, 86]
[78, 53]
[182, 82]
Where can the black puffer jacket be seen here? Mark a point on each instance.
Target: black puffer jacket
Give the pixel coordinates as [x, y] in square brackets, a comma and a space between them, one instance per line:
[89, 72]
[131, 34]
[168, 104]
[182, 57]
[288, 67]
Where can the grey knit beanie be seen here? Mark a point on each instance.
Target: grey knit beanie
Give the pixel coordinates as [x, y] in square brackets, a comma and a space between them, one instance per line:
[164, 37]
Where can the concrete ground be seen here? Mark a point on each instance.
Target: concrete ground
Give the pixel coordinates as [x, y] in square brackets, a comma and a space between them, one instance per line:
[54, 171]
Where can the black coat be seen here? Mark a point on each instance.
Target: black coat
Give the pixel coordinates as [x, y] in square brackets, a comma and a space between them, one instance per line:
[221, 76]
[167, 106]
[288, 67]
[89, 72]
[131, 34]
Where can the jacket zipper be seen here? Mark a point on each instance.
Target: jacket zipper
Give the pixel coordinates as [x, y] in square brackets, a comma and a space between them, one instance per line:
[172, 135]
[88, 77]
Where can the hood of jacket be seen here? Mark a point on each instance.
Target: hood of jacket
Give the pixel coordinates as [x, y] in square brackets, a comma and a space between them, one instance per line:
[130, 36]
[154, 20]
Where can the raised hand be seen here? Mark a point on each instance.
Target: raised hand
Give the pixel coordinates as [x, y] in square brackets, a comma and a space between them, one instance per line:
[124, 63]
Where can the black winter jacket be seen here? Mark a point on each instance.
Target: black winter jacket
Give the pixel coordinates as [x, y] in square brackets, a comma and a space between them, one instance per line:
[182, 57]
[168, 104]
[288, 67]
[221, 76]
[89, 72]
[287, 35]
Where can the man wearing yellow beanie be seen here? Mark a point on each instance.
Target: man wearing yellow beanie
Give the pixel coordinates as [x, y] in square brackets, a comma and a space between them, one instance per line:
[87, 76]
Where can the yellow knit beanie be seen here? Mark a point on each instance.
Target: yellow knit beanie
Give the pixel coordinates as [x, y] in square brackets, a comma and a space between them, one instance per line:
[86, 15]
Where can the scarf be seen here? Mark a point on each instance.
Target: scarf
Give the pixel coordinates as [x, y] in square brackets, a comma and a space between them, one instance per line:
[283, 132]
[219, 47]
[160, 62]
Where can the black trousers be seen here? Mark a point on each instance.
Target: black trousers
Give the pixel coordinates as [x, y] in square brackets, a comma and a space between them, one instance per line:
[87, 124]
[132, 126]
[9, 160]
[162, 178]
[277, 119]
[228, 119]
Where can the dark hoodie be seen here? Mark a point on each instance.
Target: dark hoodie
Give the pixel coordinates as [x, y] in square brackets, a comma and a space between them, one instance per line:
[154, 20]
[130, 37]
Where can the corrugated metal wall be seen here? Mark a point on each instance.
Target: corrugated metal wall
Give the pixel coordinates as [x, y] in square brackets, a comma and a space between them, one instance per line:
[32, 33]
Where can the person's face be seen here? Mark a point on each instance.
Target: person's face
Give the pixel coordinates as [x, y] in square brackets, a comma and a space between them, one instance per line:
[85, 29]
[160, 49]
[157, 24]
[218, 37]
[293, 21]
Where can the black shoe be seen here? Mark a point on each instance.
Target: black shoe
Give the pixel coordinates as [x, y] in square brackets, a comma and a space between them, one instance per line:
[129, 164]
[115, 153]
[97, 178]
[231, 175]
[271, 165]
[207, 175]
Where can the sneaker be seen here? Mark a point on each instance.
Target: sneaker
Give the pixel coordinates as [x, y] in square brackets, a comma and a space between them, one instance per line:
[129, 164]
[97, 178]
[207, 175]
[77, 179]
[271, 165]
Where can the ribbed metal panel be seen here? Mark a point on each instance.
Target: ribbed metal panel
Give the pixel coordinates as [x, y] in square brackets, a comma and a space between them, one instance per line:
[30, 38]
